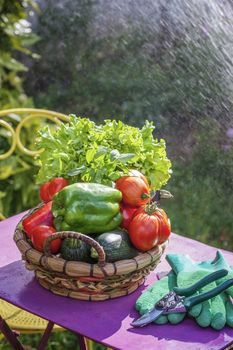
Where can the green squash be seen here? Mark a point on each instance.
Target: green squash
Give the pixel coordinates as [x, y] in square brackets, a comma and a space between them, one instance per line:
[75, 249]
[117, 246]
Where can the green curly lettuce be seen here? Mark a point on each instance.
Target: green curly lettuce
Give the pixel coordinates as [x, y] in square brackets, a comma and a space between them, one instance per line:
[84, 151]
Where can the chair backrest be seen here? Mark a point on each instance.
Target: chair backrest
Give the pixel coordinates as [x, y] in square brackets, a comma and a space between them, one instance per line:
[27, 114]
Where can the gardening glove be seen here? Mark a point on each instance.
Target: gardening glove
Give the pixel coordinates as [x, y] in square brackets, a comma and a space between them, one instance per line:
[153, 294]
[215, 312]
[221, 261]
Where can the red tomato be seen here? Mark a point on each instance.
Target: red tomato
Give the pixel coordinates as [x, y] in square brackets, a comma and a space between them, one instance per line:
[138, 174]
[39, 235]
[57, 185]
[143, 231]
[44, 195]
[164, 231]
[164, 222]
[152, 209]
[127, 214]
[165, 225]
[134, 190]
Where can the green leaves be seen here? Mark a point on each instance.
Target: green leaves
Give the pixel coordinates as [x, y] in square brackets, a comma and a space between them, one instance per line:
[16, 36]
[10, 63]
[77, 171]
[122, 157]
[85, 151]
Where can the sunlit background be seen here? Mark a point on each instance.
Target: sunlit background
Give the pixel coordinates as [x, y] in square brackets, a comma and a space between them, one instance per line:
[167, 61]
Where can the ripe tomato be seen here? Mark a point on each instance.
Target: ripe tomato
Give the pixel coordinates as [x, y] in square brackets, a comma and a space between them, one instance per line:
[143, 231]
[39, 235]
[134, 190]
[127, 213]
[165, 225]
[50, 188]
[164, 231]
[164, 222]
[139, 174]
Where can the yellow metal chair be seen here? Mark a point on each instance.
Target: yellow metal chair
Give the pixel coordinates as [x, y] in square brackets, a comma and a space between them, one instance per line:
[18, 319]
[22, 321]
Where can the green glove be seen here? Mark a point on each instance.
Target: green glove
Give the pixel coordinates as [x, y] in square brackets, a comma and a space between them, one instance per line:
[215, 312]
[153, 294]
[221, 260]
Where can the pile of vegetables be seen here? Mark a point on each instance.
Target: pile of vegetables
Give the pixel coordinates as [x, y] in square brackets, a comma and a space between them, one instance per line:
[99, 211]
[100, 180]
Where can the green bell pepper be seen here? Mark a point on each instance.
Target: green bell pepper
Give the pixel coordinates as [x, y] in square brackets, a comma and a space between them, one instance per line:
[87, 208]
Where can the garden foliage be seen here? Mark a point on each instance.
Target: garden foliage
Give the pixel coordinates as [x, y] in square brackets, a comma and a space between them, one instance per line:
[166, 67]
[17, 188]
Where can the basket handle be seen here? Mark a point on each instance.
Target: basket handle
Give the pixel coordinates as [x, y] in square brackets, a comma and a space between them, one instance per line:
[78, 235]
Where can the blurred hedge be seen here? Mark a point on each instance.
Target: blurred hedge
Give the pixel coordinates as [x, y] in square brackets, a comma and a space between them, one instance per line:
[15, 37]
[171, 74]
[17, 188]
[168, 68]
[202, 186]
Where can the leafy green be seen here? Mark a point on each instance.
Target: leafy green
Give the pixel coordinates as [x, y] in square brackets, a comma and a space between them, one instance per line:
[17, 188]
[16, 37]
[85, 151]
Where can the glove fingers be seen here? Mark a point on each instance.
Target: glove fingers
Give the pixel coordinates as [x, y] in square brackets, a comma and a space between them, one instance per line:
[229, 309]
[145, 303]
[161, 320]
[153, 294]
[229, 313]
[205, 317]
[176, 318]
[195, 310]
[148, 299]
[229, 291]
[218, 312]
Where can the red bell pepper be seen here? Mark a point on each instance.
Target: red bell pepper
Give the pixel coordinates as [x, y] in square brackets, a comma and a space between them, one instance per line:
[42, 216]
[50, 188]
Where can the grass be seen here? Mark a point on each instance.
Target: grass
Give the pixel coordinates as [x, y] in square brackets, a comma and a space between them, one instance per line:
[57, 341]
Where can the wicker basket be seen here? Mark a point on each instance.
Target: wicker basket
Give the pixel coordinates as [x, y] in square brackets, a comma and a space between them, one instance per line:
[82, 280]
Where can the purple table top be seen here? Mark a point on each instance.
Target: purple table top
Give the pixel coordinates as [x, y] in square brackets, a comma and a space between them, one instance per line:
[107, 322]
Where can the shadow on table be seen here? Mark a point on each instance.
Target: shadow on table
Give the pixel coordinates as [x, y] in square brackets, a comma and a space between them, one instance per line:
[187, 331]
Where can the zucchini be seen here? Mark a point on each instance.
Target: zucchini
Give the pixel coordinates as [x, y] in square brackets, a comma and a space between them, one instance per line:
[75, 249]
[117, 246]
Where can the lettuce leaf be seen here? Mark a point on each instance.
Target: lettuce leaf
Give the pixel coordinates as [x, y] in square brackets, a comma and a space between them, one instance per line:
[81, 150]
